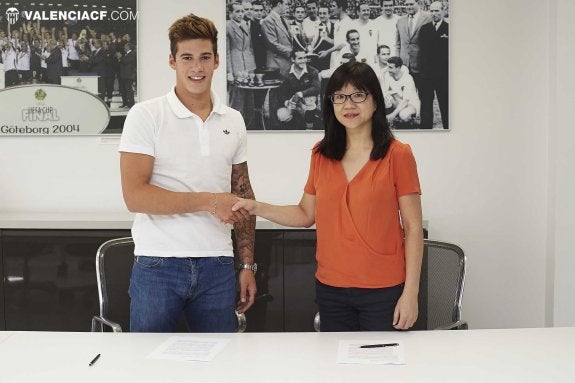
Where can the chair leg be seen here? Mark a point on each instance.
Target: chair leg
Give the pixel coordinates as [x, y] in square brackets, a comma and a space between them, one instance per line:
[96, 325]
[316, 323]
[242, 322]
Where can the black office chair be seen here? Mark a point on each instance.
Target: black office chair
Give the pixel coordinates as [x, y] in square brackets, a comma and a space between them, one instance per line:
[440, 288]
[114, 260]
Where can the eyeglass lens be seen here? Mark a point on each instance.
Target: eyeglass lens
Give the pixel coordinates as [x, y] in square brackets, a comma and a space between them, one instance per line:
[356, 97]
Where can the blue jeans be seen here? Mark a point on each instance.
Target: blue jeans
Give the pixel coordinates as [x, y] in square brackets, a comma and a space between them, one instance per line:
[356, 309]
[204, 289]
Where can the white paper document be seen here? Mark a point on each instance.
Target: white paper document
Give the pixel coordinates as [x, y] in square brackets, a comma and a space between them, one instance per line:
[378, 352]
[189, 348]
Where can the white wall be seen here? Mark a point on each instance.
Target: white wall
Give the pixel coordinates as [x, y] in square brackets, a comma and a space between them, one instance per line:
[490, 185]
[562, 180]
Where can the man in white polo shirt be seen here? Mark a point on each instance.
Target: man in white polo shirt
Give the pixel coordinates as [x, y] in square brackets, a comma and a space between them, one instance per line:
[183, 162]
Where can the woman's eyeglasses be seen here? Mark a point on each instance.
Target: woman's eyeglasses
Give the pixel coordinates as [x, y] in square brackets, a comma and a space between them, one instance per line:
[357, 97]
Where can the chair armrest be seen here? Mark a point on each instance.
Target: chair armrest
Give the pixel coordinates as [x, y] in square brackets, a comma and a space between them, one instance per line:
[459, 325]
[98, 322]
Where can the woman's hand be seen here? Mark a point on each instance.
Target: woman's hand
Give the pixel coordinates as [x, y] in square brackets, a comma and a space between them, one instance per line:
[248, 205]
[406, 312]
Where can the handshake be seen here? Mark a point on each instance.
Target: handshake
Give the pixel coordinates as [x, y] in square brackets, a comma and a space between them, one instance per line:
[230, 209]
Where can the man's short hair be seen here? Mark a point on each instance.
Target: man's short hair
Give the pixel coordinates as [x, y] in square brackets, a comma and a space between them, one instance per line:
[350, 32]
[443, 7]
[341, 4]
[397, 61]
[296, 50]
[360, 3]
[192, 27]
[273, 3]
[380, 47]
[231, 5]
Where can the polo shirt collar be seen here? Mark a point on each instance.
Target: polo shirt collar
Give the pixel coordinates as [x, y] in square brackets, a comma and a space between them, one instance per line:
[292, 71]
[181, 111]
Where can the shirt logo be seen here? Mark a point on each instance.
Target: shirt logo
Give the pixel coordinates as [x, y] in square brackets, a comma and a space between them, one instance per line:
[226, 131]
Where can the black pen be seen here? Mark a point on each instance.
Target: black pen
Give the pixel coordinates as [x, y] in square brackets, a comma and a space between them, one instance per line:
[94, 360]
[379, 345]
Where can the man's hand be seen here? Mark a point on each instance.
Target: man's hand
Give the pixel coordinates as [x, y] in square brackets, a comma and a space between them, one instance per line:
[223, 203]
[247, 290]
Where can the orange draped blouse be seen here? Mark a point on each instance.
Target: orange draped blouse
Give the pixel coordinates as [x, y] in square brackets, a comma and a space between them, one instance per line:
[360, 240]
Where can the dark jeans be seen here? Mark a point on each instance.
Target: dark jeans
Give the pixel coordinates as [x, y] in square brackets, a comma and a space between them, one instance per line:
[204, 289]
[356, 309]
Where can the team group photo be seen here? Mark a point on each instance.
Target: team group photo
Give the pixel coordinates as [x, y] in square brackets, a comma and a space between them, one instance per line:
[281, 53]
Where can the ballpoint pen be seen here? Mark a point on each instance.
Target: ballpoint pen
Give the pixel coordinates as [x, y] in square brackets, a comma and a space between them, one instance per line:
[94, 360]
[379, 345]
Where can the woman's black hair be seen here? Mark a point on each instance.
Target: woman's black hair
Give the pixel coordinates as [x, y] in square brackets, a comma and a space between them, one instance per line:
[360, 75]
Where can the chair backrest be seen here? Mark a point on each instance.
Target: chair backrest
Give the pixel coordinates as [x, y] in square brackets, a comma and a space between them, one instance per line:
[114, 261]
[441, 285]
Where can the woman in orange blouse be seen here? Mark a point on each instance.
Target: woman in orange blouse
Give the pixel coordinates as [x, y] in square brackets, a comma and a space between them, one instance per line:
[363, 195]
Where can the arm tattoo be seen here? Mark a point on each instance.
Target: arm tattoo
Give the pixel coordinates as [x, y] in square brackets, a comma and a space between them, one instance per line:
[245, 231]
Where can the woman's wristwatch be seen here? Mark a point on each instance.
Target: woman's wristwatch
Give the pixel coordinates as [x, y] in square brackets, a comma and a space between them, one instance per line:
[253, 267]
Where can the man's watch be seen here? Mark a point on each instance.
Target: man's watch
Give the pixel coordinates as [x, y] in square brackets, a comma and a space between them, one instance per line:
[253, 267]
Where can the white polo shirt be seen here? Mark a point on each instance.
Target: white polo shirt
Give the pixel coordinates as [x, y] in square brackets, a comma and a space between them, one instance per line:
[190, 155]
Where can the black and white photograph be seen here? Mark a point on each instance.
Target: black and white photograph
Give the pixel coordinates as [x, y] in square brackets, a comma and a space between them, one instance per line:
[82, 44]
[281, 53]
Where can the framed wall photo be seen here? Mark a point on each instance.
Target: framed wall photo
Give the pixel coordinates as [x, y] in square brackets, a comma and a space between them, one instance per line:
[280, 55]
[86, 45]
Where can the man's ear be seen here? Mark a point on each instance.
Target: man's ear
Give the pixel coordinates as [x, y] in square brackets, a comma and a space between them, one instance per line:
[172, 61]
[217, 61]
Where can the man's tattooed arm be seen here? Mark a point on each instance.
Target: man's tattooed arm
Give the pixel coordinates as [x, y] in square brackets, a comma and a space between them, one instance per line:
[245, 230]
